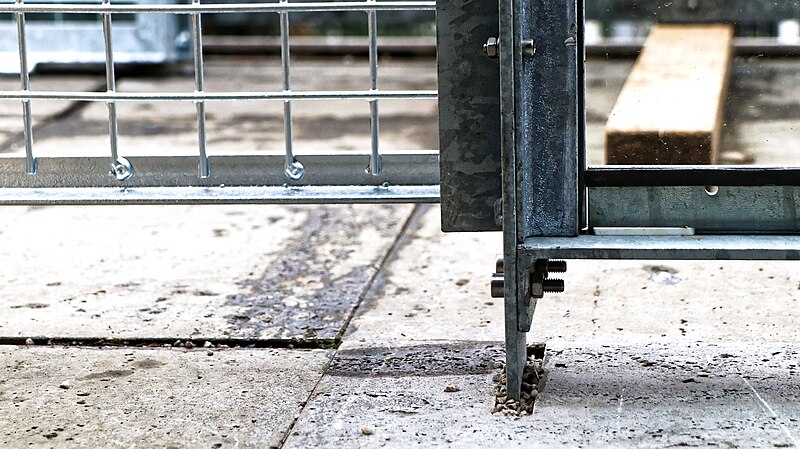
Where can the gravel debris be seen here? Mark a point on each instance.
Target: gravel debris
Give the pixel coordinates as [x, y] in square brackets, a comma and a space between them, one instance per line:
[367, 430]
[65, 385]
[451, 389]
[29, 342]
[532, 379]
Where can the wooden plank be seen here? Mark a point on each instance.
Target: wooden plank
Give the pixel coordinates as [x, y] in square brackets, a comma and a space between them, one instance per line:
[671, 109]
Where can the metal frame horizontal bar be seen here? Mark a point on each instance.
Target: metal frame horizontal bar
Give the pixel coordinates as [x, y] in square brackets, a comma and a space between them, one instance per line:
[219, 96]
[426, 46]
[319, 45]
[693, 10]
[653, 176]
[712, 247]
[218, 195]
[716, 210]
[69, 8]
[230, 171]
[745, 46]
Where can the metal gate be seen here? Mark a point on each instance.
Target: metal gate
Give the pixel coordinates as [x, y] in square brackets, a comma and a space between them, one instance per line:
[117, 179]
[512, 152]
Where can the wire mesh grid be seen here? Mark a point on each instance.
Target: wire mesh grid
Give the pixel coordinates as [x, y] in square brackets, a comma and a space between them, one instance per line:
[229, 179]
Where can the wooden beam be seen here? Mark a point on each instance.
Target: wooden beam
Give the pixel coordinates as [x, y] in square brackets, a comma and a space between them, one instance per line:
[671, 109]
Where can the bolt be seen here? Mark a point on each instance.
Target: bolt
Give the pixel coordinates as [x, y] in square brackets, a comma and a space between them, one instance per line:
[553, 286]
[529, 47]
[121, 169]
[492, 47]
[499, 264]
[295, 170]
[498, 286]
[556, 266]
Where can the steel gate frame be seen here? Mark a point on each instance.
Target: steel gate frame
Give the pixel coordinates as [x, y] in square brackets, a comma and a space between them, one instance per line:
[554, 206]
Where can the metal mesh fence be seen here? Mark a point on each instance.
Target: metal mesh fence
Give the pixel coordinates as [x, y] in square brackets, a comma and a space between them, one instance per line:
[233, 179]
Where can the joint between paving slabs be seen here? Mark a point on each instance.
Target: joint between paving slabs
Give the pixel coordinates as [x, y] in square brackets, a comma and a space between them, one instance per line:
[394, 247]
[189, 343]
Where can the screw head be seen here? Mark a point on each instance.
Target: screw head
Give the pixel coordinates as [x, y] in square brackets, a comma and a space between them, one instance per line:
[295, 171]
[121, 169]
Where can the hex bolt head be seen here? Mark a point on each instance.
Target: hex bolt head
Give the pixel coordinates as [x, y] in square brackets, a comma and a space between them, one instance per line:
[499, 264]
[553, 286]
[498, 286]
[528, 47]
[492, 48]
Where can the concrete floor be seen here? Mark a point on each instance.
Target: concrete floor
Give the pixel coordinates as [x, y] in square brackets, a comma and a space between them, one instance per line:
[158, 327]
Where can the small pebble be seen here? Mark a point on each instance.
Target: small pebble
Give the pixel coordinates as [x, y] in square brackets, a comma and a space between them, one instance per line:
[177, 343]
[451, 389]
[189, 345]
[29, 342]
[65, 385]
[208, 344]
[367, 430]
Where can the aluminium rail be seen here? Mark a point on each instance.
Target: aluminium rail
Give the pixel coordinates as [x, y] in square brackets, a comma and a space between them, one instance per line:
[216, 179]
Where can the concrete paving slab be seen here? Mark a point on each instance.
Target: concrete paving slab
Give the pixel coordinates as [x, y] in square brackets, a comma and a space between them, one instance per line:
[434, 288]
[251, 272]
[637, 395]
[387, 397]
[146, 398]
[630, 328]
[676, 300]
[670, 395]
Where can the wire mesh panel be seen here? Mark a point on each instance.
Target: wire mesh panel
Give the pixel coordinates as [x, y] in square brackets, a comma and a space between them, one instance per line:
[369, 176]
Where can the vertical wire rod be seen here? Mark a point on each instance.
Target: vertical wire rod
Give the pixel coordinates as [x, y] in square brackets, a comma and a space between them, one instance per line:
[375, 156]
[27, 119]
[120, 167]
[199, 84]
[294, 169]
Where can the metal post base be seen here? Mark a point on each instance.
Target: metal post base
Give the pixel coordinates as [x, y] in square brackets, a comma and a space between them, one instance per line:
[516, 353]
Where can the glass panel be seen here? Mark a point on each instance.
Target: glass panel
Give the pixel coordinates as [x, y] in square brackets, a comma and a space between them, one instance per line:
[759, 120]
